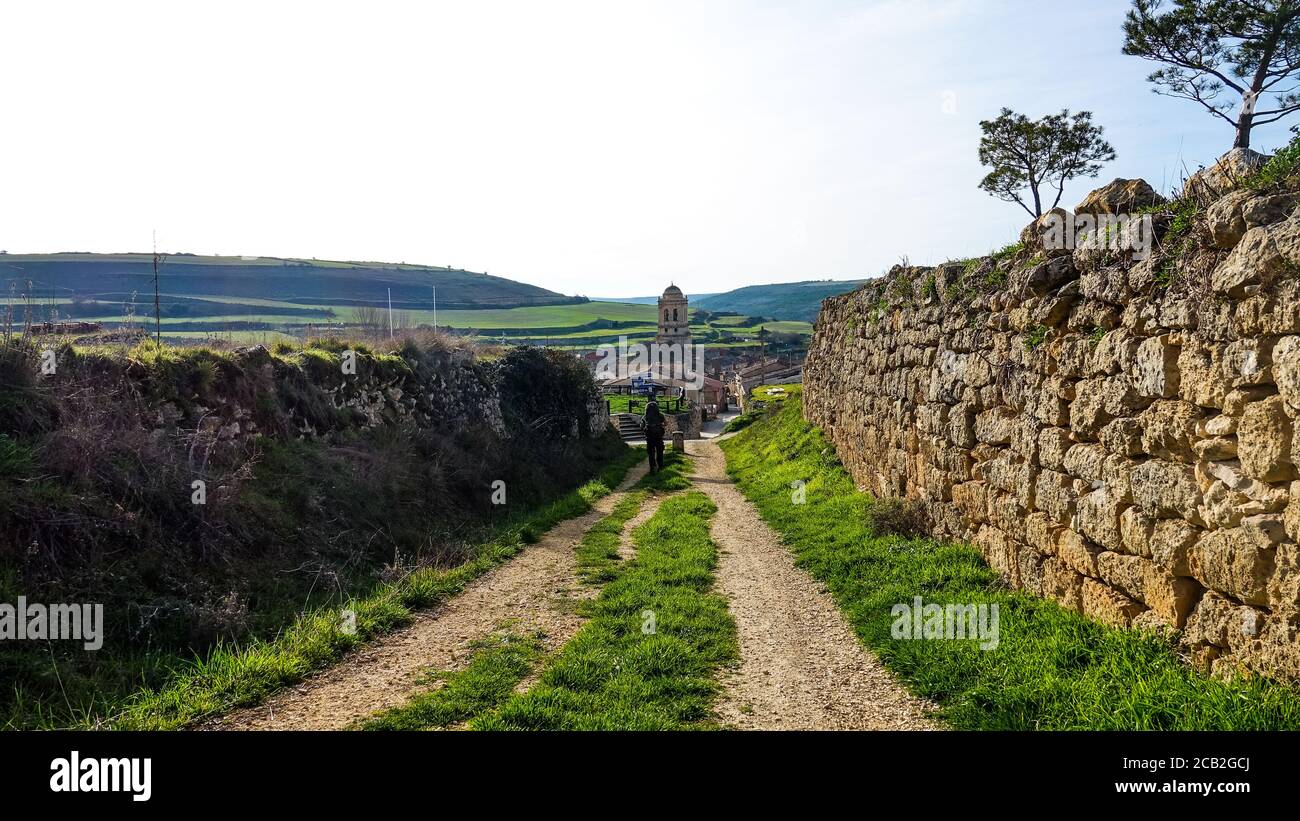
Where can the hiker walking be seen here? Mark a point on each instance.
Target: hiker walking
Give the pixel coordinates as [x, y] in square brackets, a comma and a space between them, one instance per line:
[654, 434]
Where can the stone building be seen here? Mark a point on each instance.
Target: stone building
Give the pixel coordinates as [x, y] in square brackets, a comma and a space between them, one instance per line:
[674, 321]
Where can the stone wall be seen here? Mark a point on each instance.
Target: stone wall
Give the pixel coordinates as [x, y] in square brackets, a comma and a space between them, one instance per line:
[255, 393]
[1117, 435]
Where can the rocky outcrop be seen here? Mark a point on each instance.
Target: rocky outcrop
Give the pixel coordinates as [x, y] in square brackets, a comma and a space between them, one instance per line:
[1121, 445]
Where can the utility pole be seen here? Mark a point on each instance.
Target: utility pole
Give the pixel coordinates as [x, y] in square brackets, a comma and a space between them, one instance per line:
[435, 308]
[157, 299]
[390, 313]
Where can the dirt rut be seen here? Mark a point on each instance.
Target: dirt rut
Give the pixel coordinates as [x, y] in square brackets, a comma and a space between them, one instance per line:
[801, 666]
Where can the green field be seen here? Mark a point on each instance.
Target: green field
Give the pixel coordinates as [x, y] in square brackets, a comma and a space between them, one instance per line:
[257, 299]
[583, 325]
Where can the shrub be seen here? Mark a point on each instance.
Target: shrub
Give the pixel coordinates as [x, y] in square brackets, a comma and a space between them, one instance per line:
[896, 517]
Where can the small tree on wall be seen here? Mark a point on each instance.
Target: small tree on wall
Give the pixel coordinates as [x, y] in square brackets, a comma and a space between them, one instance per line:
[1035, 156]
[1249, 49]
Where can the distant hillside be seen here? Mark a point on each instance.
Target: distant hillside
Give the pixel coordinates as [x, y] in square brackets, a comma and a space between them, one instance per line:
[645, 300]
[790, 300]
[194, 281]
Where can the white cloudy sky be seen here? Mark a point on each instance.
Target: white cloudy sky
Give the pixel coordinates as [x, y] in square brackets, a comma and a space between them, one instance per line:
[600, 148]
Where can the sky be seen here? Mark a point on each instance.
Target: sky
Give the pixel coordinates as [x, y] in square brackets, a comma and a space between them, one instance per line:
[598, 148]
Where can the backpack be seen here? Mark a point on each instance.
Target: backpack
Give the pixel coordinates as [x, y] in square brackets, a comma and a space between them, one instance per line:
[654, 420]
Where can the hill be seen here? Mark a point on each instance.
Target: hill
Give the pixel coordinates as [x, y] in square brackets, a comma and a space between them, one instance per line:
[645, 300]
[791, 300]
[210, 285]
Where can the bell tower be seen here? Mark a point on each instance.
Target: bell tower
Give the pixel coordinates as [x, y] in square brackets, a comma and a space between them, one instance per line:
[674, 321]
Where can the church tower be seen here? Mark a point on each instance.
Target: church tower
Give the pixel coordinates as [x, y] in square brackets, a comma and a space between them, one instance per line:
[674, 323]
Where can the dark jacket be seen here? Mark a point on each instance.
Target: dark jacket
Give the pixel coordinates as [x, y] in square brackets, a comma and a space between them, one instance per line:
[654, 420]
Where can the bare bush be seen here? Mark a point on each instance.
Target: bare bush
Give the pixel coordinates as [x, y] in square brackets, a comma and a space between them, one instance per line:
[897, 517]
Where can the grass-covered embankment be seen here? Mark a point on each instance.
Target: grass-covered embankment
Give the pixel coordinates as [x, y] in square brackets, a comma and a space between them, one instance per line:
[212, 498]
[234, 676]
[1051, 669]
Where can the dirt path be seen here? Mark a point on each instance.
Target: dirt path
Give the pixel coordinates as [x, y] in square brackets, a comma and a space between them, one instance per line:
[536, 590]
[801, 666]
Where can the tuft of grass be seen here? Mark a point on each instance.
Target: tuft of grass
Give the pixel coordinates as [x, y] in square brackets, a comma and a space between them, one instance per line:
[1280, 170]
[648, 658]
[930, 288]
[498, 664]
[1036, 336]
[16, 459]
[1007, 251]
[1053, 669]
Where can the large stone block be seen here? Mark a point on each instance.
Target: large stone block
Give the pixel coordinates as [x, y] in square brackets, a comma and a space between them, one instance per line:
[1262, 254]
[1201, 377]
[1099, 516]
[1170, 597]
[1286, 369]
[1054, 495]
[1249, 362]
[1155, 367]
[1062, 583]
[1114, 353]
[1087, 461]
[1088, 413]
[1136, 530]
[1166, 490]
[1123, 437]
[1053, 443]
[1124, 573]
[1108, 606]
[1171, 544]
[1264, 441]
[1214, 620]
[1169, 430]
[1239, 561]
[1000, 551]
[1284, 587]
[1077, 552]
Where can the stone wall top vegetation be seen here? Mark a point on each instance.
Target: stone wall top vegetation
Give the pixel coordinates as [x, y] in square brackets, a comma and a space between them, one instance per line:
[205, 494]
[1115, 430]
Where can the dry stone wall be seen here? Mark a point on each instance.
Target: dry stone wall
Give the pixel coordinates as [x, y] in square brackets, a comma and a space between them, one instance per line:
[1112, 434]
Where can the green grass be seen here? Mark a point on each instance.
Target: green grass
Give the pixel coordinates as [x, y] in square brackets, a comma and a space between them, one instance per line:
[1053, 669]
[499, 663]
[598, 560]
[672, 478]
[743, 421]
[648, 657]
[559, 325]
[1279, 171]
[232, 676]
[624, 403]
